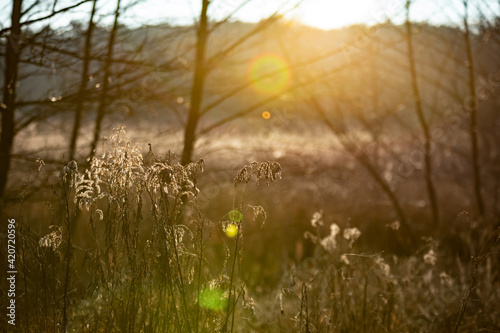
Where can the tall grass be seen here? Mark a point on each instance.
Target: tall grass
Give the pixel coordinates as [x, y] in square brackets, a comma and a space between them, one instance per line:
[153, 262]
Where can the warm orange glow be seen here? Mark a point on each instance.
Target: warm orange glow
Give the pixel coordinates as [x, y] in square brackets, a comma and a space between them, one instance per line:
[266, 114]
[334, 14]
[269, 74]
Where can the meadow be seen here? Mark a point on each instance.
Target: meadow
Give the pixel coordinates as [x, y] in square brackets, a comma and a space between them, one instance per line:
[140, 243]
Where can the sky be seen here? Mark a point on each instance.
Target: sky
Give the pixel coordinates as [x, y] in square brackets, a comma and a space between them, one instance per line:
[323, 14]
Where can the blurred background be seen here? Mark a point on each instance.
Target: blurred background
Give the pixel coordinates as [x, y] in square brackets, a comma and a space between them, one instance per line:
[378, 111]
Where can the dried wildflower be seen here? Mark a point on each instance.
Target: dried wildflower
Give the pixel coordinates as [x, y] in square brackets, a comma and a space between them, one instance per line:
[258, 213]
[351, 234]
[248, 302]
[382, 265]
[53, 239]
[114, 175]
[463, 217]
[345, 259]
[87, 190]
[317, 219]
[309, 235]
[430, 257]
[161, 177]
[70, 172]
[270, 171]
[190, 275]
[39, 164]
[175, 179]
[329, 243]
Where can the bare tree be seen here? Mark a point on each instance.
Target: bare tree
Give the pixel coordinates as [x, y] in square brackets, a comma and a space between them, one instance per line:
[83, 83]
[16, 42]
[431, 191]
[198, 85]
[204, 65]
[103, 101]
[9, 93]
[472, 106]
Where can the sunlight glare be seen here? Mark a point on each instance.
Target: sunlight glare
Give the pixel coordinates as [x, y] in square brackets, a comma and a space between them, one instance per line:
[269, 74]
[328, 14]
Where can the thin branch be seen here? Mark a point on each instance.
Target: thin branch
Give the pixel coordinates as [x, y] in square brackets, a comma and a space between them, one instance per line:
[54, 13]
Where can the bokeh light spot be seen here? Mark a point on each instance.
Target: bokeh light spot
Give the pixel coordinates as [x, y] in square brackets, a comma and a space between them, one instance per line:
[235, 215]
[266, 114]
[213, 299]
[231, 230]
[269, 74]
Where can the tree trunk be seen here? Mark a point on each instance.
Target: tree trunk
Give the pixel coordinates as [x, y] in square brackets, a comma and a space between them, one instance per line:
[9, 94]
[431, 191]
[83, 85]
[103, 101]
[197, 88]
[473, 116]
[365, 162]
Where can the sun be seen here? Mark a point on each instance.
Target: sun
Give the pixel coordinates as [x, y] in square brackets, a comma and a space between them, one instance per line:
[330, 14]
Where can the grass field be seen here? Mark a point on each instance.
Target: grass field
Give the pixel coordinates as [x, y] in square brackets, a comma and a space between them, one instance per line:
[139, 243]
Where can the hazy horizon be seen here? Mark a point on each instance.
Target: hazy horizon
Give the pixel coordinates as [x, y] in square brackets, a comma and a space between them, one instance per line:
[321, 14]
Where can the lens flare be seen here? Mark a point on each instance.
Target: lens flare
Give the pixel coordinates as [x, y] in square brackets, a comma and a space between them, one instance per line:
[235, 215]
[213, 299]
[266, 114]
[269, 74]
[231, 230]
